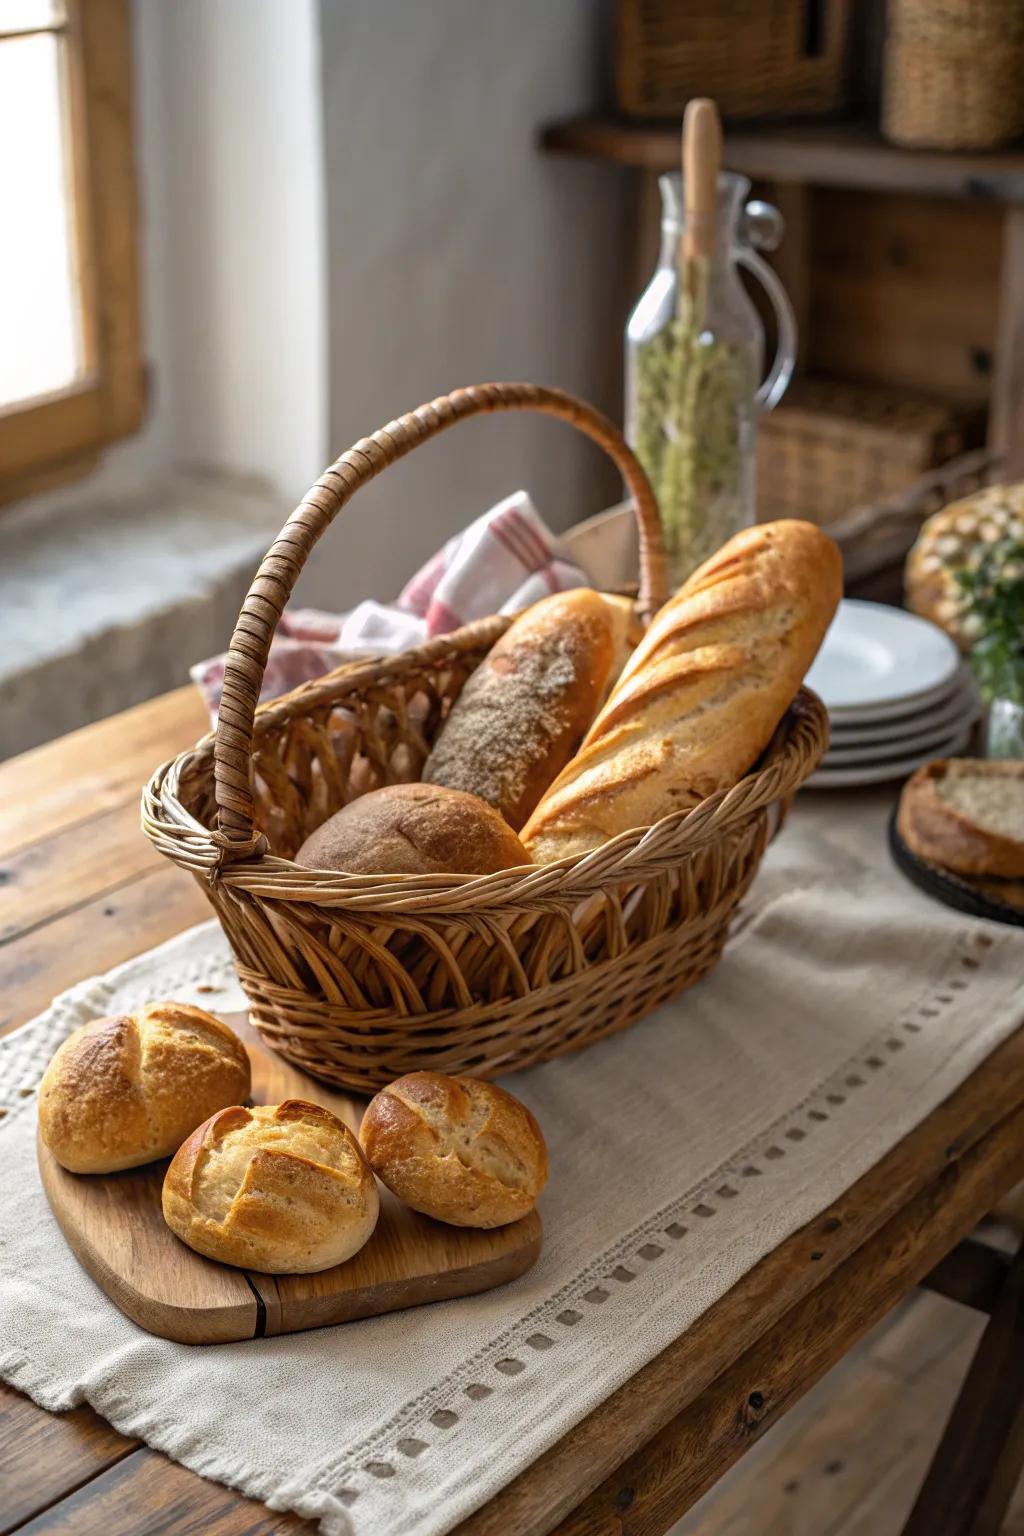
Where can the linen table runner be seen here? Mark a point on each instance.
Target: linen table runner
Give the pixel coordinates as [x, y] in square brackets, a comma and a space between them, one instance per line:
[846, 1007]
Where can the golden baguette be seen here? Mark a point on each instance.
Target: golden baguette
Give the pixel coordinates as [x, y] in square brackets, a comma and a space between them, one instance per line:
[699, 699]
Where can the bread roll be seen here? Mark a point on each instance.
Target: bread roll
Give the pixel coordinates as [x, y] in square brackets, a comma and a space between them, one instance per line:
[523, 712]
[966, 815]
[123, 1091]
[282, 1188]
[414, 829]
[703, 692]
[459, 1150]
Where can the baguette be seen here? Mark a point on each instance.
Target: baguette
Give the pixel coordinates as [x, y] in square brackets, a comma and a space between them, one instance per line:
[703, 692]
[523, 712]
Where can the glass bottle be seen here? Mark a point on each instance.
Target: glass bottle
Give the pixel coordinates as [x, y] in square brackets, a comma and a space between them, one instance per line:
[694, 355]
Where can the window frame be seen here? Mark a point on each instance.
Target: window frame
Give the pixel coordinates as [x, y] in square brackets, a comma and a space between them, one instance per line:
[56, 437]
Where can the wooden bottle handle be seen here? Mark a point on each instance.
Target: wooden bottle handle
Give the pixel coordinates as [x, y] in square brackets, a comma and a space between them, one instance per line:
[281, 566]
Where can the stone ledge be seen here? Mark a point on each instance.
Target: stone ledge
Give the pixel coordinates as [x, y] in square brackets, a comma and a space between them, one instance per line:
[104, 606]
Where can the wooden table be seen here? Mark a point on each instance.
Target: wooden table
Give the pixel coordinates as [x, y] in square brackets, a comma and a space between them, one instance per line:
[80, 891]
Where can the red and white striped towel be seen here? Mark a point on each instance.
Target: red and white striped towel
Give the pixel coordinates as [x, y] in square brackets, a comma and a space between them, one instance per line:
[501, 563]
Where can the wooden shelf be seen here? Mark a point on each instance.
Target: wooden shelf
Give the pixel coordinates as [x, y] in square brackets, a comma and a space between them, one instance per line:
[829, 155]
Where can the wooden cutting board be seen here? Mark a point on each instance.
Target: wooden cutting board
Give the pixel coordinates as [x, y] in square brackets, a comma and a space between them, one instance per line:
[114, 1224]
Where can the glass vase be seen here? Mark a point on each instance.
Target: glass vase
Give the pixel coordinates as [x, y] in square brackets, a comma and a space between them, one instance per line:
[694, 359]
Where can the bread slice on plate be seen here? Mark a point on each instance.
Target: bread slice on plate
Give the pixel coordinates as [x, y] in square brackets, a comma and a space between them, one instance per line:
[966, 814]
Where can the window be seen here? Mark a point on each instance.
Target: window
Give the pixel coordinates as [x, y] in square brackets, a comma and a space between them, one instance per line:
[70, 370]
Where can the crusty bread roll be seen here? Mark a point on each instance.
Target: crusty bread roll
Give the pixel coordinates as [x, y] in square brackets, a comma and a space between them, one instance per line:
[414, 829]
[702, 693]
[282, 1188]
[123, 1091]
[952, 540]
[967, 815]
[523, 712]
[459, 1150]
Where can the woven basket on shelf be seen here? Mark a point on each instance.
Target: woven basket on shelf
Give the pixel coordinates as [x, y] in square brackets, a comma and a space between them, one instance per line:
[833, 445]
[877, 536]
[360, 978]
[953, 75]
[757, 58]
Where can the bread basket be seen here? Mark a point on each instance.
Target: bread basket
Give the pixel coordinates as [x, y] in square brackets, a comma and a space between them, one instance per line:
[358, 979]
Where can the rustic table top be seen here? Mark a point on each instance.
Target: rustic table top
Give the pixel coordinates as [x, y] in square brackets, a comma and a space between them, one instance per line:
[81, 890]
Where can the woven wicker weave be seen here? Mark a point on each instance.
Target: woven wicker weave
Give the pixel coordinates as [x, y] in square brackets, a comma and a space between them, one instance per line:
[756, 58]
[359, 979]
[833, 445]
[954, 73]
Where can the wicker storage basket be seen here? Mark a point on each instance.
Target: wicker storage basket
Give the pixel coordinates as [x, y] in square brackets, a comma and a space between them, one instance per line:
[953, 73]
[757, 58]
[877, 537]
[832, 445]
[359, 979]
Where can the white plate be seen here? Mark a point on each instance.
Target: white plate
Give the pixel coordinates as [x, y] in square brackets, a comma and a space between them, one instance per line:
[875, 657]
[898, 711]
[882, 752]
[946, 710]
[879, 773]
[962, 708]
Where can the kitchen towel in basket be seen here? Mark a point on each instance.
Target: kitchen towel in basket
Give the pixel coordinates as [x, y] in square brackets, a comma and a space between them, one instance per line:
[504, 561]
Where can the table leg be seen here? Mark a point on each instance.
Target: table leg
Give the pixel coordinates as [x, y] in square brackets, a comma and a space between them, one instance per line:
[978, 1463]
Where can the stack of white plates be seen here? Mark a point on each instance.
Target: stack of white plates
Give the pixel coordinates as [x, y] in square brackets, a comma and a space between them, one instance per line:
[897, 693]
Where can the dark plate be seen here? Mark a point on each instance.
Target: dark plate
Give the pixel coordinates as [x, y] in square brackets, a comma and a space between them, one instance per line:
[954, 890]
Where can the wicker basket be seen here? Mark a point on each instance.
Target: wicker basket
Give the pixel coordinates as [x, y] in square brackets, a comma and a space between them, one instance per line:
[833, 445]
[359, 979]
[953, 73]
[877, 537]
[757, 58]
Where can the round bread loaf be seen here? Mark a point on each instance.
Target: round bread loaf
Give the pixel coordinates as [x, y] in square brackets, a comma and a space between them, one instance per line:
[282, 1188]
[414, 829]
[523, 712]
[967, 815]
[126, 1090]
[457, 1149]
[951, 541]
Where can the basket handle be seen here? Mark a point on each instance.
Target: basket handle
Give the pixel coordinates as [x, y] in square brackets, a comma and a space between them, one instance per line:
[282, 564]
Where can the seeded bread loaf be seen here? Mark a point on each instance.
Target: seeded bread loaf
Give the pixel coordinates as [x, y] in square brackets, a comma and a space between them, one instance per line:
[967, 815]
[702, 693]
[524, 710]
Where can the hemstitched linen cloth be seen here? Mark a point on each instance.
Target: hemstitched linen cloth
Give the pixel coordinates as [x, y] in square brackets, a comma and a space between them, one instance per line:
[845, 1008]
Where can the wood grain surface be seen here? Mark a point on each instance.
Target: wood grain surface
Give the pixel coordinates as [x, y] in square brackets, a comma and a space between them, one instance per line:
[825, 154]
[71, 1473]
[116, 1228]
